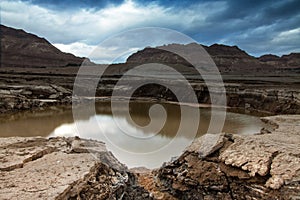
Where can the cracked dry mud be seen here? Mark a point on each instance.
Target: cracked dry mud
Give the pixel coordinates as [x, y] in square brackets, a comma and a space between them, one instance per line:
[63, 168]
[262, 166]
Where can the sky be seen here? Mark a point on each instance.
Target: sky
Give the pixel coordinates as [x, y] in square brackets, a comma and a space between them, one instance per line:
[78, 26]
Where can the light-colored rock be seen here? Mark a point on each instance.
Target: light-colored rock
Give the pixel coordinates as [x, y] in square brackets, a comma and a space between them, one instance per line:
[61, 89]
[276, 154]
[207, 144]
[261, 166]
[45, 178]
[63, 168]
[54, 96]
[4, 91]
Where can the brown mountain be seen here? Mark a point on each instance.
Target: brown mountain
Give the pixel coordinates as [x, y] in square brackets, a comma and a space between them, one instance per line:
[22, 49]
[232, 58]
[152, 55]
[227, 58]
[290, 61]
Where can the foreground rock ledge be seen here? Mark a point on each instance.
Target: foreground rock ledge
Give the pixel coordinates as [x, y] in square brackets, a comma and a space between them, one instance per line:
[262, 166]
[219, 166]
[63, 168]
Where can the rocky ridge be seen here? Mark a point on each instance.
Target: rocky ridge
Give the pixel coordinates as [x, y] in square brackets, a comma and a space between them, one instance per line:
[25, 97]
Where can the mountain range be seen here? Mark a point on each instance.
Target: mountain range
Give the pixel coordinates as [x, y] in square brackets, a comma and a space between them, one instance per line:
[22, 49]
[227, 58]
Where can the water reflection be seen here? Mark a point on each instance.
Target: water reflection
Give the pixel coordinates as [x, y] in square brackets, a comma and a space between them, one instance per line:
[129, 150]
[40, 123]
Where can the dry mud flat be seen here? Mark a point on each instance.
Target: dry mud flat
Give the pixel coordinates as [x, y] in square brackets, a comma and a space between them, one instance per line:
[264, 166]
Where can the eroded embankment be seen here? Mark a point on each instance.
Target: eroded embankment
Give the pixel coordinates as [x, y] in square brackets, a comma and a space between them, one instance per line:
[219, 166]
[242, 97]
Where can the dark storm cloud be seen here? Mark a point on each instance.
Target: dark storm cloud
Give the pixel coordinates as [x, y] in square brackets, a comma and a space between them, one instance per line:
[253, 25]
[282, 9]
[74, 4]
[236, 9]
[71, 4]
[247, 15]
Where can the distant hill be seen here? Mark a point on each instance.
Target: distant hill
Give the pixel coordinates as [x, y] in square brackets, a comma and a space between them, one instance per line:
[227, 58]
[22, 49]
[290, 61]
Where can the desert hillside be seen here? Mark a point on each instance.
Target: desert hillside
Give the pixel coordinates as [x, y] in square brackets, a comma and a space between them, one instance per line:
[22, 49]
[229, 59]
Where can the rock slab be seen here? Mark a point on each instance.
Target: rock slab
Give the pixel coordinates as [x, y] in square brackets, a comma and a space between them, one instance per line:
[63, 168]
